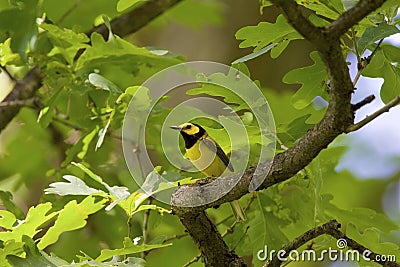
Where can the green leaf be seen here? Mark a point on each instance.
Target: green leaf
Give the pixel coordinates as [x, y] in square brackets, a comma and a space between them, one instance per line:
[86, 170]
[65, 41]
[266, 33]
[384, 64]
[289, 133]
[254, 54]
[141, 99]
[86, 141]
[7, 56]
[75, 187]
[118, 193]
[20, 23]
[73, 216]
[150, 207]
[195, 14]
[373, 34]
[371, 239]
[11, 247]
[125, 4]
[102, 133]
[313, 80]
[129, 248]
[119, 51]
[264, 226]
[282, 44]
[7, 219]
[36, 217]
[231, 88]
[363, 218]
[327, 8]
[108, 25]
[34, 257]
[102, 83]
[7, 201]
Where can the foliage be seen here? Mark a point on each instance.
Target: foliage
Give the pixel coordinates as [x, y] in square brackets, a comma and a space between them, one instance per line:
[68, 144]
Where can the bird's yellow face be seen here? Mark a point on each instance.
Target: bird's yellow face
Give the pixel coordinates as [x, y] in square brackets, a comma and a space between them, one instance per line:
[189, 128]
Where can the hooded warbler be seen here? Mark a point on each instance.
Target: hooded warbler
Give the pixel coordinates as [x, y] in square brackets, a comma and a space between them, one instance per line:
[207, 156]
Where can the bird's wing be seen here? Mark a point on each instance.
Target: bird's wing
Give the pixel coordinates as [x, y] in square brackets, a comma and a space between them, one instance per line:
[212, 145]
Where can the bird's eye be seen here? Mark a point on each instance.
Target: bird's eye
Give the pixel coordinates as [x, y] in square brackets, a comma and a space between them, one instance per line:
[189, 126]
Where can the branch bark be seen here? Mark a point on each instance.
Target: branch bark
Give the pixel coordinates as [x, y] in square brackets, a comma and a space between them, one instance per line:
[338, 118]
[204, 231]
[126, 24]
[353, 16]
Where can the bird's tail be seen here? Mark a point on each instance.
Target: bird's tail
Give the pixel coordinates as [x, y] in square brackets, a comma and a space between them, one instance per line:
[238, 212]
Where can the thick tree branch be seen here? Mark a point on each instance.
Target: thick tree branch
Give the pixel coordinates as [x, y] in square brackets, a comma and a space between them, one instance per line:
[338, 118]
[374, 115]
[206, 230]
[330, 228]
[126, 24]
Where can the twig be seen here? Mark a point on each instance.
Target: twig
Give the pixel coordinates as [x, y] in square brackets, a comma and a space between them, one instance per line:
[353, 36]
[195, 259]
[357, 77]
[18, 102]
[69, 124]
[145, 228]
[175, 237]
[361, 65]
[68, 12]
[330, 228]
[362, 103]
[374, 115]
[375, 50]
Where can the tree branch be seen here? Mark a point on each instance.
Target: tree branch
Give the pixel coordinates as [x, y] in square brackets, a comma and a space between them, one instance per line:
[330, 228]
[203, 231]
[374, 115]
[338, 118]
[126, 24]
[24, 89]
[136, 19]
[293, 14]
[363, 102]
[352, 16]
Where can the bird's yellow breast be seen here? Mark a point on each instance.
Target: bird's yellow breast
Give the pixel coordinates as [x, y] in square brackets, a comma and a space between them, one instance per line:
[205, 159]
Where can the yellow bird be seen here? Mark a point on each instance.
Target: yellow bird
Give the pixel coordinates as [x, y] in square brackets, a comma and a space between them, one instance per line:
[207, 156]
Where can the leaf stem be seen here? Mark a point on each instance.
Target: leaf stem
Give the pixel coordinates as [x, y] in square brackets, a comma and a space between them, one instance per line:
[145, 228]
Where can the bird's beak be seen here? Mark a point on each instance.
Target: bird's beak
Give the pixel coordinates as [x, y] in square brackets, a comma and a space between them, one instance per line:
[175, 128]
